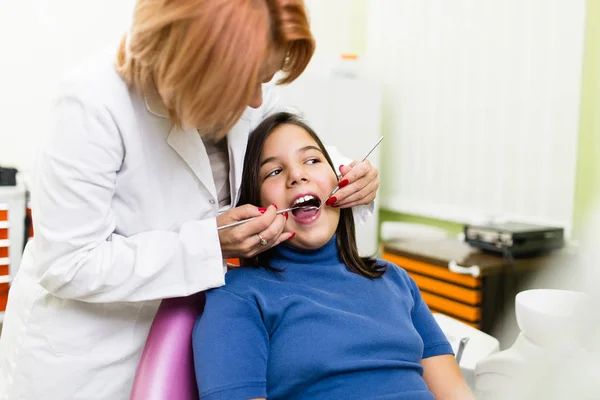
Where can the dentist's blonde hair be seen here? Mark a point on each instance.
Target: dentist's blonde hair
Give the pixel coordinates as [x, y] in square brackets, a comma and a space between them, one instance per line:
[204, 57]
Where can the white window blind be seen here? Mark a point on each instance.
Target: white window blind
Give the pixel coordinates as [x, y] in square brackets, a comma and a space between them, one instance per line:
[481, 106]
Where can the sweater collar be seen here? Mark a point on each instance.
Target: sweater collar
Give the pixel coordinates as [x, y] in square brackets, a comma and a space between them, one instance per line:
[326, 255]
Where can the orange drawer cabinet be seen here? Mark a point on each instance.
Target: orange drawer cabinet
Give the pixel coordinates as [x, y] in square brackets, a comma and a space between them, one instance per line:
[12, 230]
[478, 300]
[4, 256]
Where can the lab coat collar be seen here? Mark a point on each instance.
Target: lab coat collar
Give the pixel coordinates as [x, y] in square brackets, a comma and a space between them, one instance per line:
[186, 142]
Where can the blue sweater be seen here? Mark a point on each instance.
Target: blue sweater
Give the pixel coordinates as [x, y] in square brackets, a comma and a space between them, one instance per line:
[317, 332]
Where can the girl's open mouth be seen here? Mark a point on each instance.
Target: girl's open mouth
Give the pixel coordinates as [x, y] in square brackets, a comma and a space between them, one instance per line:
[308, 215]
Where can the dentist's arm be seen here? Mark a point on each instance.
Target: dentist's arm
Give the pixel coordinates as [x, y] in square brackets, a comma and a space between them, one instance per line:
[78, 255]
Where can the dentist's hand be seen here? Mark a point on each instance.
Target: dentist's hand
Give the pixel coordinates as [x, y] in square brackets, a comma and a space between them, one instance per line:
[244, 241]
[358, 185]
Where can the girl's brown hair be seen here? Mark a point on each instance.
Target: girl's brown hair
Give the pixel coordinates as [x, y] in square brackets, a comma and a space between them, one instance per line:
[204, 57]
[250, 194]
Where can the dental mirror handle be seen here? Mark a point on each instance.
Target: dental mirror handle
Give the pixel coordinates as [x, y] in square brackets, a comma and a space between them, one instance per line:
[243, 221]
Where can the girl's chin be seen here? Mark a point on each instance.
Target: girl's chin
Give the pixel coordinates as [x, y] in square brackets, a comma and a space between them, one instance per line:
[310, 240]
[312, 232]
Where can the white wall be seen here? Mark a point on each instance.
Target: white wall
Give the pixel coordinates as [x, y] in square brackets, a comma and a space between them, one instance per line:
[338, 27]
[40, 39]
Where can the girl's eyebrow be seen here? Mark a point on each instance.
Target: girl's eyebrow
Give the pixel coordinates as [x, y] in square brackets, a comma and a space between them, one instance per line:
[309, 147]
[267, 160]
[300, 150]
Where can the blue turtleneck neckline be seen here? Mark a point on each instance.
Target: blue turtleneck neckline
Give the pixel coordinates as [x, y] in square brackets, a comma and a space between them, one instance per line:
[326, 255]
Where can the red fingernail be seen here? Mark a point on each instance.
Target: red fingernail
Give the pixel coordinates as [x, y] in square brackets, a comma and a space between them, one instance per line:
[343, 183]
[331, 201]
[262, 210]
[293, 234]
[275, 205]
[285, 214]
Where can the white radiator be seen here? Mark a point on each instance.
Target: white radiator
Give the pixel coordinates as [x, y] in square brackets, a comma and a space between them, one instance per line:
[480, 106]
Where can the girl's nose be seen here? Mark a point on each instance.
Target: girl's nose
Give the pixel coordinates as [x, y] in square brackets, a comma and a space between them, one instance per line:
[298, 175]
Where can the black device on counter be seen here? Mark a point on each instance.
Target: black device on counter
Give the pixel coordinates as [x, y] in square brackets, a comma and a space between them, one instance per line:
[515, 238]
[8, 176]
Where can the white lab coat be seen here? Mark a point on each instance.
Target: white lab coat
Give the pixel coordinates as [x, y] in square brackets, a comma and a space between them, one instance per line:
[124, 214]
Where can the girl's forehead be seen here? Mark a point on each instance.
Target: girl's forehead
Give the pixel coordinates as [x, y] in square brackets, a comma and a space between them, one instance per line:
[289, 150]
[288, 137]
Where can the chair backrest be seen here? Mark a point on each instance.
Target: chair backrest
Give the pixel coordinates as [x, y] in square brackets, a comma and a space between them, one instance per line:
[166, 367]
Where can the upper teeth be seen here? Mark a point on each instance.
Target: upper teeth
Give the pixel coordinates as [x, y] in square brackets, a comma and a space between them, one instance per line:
[304, 199]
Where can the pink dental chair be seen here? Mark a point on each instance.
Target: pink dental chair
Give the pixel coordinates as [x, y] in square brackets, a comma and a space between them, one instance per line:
[166, 367]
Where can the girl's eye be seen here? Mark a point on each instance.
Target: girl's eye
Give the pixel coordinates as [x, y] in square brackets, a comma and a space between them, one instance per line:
[273, 173]
[313, 161]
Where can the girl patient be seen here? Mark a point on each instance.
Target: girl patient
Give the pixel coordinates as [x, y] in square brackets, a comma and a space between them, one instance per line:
[310, 319]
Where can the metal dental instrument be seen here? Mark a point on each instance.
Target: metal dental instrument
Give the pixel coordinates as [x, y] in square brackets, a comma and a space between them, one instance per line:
[243, 221]
[335, 189]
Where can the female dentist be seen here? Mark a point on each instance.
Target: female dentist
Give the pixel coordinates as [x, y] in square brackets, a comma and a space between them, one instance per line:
[145, 151]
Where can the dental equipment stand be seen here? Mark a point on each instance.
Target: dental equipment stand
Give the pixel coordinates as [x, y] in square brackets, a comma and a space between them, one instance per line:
[550, 323]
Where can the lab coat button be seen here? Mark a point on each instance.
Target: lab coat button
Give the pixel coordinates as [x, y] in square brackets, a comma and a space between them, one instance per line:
[212, 201]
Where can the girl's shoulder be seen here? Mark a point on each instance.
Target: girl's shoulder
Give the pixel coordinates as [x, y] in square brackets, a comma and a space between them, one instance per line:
[392, 268]
[397, 273]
